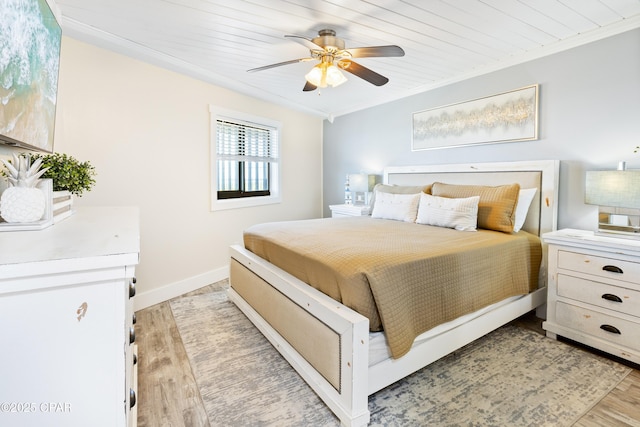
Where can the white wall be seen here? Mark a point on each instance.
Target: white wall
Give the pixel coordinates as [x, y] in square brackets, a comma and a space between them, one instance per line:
[146, 130]
[589, 119]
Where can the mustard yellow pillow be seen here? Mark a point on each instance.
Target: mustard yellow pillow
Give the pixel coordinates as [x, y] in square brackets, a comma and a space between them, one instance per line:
[497, 205]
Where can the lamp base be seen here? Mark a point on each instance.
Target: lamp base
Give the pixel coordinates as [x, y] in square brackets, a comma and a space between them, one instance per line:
[623, 223]
[618, 234]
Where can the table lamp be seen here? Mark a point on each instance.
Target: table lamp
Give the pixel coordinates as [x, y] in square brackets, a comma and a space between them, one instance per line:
[361, 186]
[617, 194]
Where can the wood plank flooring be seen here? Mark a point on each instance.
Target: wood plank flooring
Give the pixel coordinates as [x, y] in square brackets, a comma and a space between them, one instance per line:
[167, 391]
[168, 394]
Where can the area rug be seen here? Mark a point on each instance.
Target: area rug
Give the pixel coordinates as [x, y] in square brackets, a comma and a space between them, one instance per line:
[513, 376]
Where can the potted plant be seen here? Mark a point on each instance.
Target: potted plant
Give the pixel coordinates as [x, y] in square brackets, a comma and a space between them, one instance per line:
[67, 173]
[70, 177]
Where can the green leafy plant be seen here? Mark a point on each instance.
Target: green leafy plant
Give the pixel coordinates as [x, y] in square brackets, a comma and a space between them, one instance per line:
[67, 172]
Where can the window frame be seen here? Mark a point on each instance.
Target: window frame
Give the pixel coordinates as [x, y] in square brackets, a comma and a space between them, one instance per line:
[219, 113]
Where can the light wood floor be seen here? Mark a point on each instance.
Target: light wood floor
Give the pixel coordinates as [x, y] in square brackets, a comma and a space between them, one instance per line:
[168, 394]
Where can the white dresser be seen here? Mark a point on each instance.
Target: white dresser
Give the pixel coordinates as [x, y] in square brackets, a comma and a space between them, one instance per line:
[594, 291]
[66, 321]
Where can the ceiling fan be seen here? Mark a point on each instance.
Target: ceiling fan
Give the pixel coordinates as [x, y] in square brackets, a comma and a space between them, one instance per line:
[333, 57]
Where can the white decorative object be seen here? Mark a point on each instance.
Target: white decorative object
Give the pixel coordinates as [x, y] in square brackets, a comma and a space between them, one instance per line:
[62, 205]
[23, 202]
[46, 185]
[347, 193]
[59, 206]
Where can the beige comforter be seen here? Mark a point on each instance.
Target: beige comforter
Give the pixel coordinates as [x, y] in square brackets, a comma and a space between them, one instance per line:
[405, 277]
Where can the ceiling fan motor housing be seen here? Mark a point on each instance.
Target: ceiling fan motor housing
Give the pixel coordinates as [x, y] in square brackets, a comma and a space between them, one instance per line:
[328, 40]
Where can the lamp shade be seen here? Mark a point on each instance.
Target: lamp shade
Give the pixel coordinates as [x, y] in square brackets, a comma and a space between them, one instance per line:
[334, 76]
[619, 188]
[362, 182]
[315, 76]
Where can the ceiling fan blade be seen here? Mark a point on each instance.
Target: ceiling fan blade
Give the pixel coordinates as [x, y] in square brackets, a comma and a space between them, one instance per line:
[305, 42]
[308, 87]
[375, 51]
[363, 72]
[266, 67]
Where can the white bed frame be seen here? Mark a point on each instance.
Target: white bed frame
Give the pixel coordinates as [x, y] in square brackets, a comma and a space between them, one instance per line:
[327, 343]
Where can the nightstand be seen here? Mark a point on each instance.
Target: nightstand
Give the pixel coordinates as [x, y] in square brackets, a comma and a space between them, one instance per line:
[593, 292]
[349, 210]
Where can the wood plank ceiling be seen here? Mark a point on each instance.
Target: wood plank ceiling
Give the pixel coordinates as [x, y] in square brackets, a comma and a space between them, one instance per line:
[444, 40]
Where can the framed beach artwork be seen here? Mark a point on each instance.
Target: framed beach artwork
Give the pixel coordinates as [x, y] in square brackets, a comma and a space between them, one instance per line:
[506, 117]
[30, 42]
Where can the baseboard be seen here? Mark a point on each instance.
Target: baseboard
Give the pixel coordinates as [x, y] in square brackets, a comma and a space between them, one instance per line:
[172, 290]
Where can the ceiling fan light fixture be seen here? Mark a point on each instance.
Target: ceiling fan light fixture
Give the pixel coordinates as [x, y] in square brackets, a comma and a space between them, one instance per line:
[334, 76]
[315, 76]
[325, 74]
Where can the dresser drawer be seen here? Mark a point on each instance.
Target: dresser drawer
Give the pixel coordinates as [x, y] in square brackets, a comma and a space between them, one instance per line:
[600, 294]
[600, 266]
[604, 326]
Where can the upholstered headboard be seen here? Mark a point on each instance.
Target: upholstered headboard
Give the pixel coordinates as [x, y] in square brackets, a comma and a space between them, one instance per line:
[541, 174]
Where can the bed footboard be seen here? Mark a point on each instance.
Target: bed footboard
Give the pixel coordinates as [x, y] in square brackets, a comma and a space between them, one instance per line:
[324, 341]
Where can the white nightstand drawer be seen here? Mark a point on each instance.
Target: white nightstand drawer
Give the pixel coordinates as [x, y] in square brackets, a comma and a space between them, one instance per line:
[610, 328]
[600, 266]
[600, 294]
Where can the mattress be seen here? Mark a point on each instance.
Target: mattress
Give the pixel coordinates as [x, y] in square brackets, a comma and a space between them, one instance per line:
[406, 278]
[379, 350]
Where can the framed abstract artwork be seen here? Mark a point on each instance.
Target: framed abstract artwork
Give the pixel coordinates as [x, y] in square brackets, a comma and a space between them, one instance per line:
[506, 117]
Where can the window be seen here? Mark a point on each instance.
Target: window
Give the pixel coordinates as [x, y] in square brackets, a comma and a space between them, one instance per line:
[245, 164]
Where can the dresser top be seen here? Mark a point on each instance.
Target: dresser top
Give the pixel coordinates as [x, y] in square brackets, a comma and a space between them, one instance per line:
[90, 232]
[591, 240]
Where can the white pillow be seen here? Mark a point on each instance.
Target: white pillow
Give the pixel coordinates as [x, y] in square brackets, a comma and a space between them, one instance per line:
[525, 197]
[461, 214]
[399, 207]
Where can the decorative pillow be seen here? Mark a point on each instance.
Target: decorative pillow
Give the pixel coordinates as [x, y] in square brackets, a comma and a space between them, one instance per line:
[497, 205]
[524, 202]
[398, 189]
[399, 207]
[461, 214]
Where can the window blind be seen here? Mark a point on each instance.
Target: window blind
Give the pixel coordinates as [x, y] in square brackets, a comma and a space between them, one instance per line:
[244, 152]
[245, 142]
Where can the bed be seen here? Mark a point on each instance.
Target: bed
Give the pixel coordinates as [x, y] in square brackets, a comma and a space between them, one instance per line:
[331, 345]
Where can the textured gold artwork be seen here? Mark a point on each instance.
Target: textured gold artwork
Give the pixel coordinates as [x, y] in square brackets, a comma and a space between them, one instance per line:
[510, 116]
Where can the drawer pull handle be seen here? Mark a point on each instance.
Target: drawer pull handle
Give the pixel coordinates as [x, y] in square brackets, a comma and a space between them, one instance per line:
[611, 329]
[132, 335]
[611, 297]
[132, 398]
[612, 269]
[132, 288]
